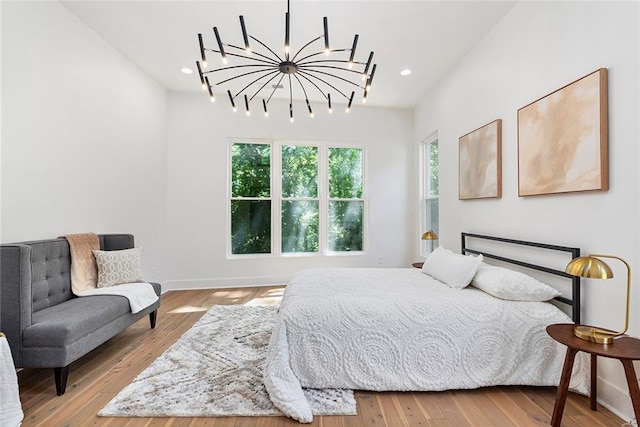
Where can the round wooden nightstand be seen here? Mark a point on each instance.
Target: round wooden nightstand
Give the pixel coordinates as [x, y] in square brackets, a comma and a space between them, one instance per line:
[626, 349]
[417, 264]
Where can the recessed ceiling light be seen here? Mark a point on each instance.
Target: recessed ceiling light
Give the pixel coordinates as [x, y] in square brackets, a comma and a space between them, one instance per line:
[405, 72]
[186, 70]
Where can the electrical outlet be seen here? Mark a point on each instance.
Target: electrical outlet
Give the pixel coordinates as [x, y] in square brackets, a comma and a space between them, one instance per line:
[380, 259]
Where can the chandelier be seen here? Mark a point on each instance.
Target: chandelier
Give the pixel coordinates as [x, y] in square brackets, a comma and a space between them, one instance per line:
[327, 71]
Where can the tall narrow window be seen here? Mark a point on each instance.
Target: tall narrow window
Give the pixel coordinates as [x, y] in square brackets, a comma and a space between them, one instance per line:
[300, 215]
[431, 186]
[250, 198]
[346, 202]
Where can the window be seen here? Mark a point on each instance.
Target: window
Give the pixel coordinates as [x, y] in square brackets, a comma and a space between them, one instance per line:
[431, 186]
[346, 205]
[250, 198]
[300, 213]
[310, 201]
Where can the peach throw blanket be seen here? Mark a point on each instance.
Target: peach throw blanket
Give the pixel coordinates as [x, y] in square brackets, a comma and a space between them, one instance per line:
[84, 270]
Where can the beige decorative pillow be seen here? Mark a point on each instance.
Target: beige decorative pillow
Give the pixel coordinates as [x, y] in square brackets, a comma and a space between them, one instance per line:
[119, 267]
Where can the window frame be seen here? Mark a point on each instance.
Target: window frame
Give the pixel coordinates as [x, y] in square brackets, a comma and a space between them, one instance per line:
[281, 198]
[328, 199]
[426, 221]
[230, 197]
[277, 198]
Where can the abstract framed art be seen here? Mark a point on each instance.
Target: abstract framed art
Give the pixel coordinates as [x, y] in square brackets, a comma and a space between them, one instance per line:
[562, 139]
[480, 163]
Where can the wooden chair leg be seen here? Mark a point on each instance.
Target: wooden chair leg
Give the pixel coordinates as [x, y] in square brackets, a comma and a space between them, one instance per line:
[152, 318]
[60, 376]
[632, 381]
[593, 398]
[563, 387]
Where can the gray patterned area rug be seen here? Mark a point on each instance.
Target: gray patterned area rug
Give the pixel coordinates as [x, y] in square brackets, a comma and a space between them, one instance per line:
[215, 370]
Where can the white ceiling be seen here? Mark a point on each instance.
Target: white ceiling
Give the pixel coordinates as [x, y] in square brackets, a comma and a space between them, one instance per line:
[429, 37]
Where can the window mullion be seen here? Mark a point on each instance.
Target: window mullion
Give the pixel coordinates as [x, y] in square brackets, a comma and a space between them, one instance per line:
[276, 198]
[323, 185]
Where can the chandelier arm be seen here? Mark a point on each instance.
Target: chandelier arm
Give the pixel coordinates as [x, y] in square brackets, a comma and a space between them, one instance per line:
[302, 73]
[242, 75]
[303, 47]
[290, 96]
[302, 86]
[232, 67]
[274, 88]
[322, 53]
[311, 70]
[268, 48]
[313, 83]
[330, 66]
[243, 56]
[271, 60]
[275, 74]
[342, 61]
[252, 82]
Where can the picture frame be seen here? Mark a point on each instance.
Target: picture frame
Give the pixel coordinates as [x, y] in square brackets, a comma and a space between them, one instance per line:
[480, 162]
[562, 139]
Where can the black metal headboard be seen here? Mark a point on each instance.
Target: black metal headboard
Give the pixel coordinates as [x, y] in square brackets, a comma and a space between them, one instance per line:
[574, 301]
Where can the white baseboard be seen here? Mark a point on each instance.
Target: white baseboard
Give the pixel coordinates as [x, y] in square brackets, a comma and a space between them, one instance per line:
[615, 399]
[235, 282]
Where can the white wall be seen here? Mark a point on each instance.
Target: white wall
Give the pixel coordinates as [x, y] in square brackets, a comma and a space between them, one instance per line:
[83, 134]
[537, 48]
[197, 179]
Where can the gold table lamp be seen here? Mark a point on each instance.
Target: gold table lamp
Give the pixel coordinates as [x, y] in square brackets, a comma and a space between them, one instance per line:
[430, 235]
[593, 267]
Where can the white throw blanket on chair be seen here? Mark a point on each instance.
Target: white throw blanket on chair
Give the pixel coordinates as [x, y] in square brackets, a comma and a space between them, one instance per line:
[140, 295]
[10, 409]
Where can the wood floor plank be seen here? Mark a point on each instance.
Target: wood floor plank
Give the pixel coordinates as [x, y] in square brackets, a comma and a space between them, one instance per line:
[469, 406]
[428, 405]
[450, 410]
[331, 421]
[353, 420]
[536, 415]
[411, 410]
[96, 378]
[390, 409]
[369, 410]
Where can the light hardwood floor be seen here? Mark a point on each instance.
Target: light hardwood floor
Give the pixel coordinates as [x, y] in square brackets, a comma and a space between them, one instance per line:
[98, 377]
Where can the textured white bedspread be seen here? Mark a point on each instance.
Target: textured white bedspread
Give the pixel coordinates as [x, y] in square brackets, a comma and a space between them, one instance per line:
[400, 329]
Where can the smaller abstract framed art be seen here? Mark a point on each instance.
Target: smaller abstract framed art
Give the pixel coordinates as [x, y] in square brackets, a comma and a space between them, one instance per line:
[480, 163]
[562, 139]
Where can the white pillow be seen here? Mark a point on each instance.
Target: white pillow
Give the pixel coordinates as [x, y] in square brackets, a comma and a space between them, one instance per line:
[453, 269]
[118, 267]
[511, 285]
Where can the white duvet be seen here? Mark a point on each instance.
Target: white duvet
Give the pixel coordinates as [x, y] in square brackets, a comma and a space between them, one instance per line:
[400, 329]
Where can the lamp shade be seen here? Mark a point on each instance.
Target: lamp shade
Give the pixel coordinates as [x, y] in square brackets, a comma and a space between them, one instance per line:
[430, 235]
[589, 267]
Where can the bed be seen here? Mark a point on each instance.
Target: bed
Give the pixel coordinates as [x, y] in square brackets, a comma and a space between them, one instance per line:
[399, 329]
